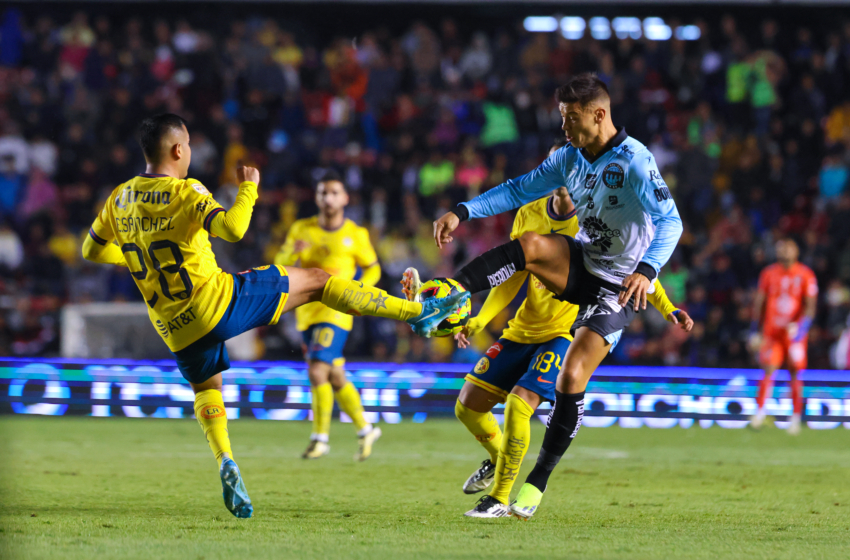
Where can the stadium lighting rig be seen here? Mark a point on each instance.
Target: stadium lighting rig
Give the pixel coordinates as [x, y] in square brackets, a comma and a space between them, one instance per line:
[601, 28]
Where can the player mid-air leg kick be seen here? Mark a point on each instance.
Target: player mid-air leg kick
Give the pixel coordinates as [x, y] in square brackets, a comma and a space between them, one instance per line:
[338, 246]
[521, 369]
[158, 224]
[628, 228]
[783, 311]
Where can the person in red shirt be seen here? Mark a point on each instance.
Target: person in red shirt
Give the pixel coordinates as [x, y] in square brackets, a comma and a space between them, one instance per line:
[783, 311]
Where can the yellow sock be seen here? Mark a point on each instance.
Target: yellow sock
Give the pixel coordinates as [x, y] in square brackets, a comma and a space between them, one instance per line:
[349, 401]
[483, 426]
[323, 407]
[210, 412]
[514, 446]
[355, 298]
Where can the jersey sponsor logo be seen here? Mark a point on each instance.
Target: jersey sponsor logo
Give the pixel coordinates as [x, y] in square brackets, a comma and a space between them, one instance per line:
[210, 412]
[627, 150]
[593, 310]
[662, 194]
[482, 366]
[654, 175]
[607, 264]
[180, 321]
[613, 176]
[128, 196]
[200, 189]
[494, 350]
[264, 267]
[163, 330]
[599, 233]
[590, 180]
[202, 206]
[501, 275]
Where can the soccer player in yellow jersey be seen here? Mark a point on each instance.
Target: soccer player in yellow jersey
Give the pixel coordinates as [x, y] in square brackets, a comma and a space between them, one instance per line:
[520, 369]
[338, 246]
[158, 225]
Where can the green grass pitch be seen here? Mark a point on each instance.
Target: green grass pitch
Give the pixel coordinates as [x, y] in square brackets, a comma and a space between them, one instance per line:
[125, 488]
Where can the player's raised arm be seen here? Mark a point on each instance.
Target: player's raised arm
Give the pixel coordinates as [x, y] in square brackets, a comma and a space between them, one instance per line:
[232, 224]
[511, 194]
[98, 246]
[643, 176]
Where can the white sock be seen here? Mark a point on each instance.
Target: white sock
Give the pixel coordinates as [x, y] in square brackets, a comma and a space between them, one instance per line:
[366, 429]
[319, 437]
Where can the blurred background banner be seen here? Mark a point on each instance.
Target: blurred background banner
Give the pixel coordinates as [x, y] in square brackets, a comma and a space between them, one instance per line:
[624, 396]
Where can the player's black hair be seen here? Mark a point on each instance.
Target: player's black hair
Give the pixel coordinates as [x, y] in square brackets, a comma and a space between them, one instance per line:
[583, 89]
[153, 129]
[331, 175]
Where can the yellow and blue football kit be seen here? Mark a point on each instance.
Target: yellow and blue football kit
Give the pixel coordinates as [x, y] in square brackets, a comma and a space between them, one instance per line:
[338, 252]
[162, 227]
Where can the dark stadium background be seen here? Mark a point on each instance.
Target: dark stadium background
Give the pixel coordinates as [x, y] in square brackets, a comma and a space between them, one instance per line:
[411, 141]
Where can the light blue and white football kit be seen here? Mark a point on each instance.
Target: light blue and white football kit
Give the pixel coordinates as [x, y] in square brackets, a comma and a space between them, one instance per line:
[628, 222]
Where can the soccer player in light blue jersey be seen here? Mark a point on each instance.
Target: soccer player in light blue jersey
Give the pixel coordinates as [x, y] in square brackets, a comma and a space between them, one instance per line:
[628, 228]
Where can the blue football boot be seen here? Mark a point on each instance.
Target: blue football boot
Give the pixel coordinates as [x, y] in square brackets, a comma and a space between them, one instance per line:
[233, 490]
[434, 310]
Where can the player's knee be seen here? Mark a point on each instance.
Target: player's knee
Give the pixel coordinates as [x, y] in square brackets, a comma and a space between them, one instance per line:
[571, 375]
[532, 245]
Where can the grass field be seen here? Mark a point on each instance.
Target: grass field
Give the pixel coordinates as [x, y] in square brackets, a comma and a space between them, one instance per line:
[123, 488]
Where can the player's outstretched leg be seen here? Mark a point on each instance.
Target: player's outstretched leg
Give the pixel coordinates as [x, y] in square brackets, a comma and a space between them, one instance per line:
[212, 416]
[794, 426]
[545, 256]
[354, 298]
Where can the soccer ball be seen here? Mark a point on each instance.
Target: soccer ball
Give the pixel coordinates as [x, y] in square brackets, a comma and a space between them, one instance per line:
[444, 287]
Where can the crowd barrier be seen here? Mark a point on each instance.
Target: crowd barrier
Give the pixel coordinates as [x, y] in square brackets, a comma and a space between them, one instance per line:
[656, 397]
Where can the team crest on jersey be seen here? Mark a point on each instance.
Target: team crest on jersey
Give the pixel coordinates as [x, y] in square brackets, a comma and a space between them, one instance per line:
[482, 366]
[599, 233]
[613, 176]
[200, 188]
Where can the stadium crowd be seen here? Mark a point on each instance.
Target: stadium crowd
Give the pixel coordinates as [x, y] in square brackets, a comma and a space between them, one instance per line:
[750, 129]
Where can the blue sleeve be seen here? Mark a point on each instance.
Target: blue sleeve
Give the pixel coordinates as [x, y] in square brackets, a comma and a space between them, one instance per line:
[513, 193]
[658, 203]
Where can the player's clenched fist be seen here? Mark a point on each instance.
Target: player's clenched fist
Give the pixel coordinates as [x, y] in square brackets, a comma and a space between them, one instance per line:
[244, 173]
[444, 227]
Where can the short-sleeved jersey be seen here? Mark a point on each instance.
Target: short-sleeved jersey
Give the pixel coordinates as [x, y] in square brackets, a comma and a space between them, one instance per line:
[541, 317]
[626, 215]
[338, 252]
[161, 225]
[785, 291]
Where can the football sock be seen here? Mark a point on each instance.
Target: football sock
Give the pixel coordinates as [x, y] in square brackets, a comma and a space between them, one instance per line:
[564, 422]
[515, 443]
[355, 298]
[797, 395]
[483, 426]
[765, 390]
[349, 401]
[212, 416]
[493, 267]
[323, 406]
